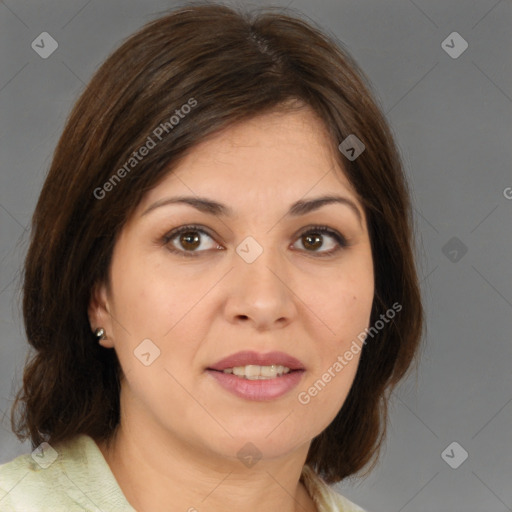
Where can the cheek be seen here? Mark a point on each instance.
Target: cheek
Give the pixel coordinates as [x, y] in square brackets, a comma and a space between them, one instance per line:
[344, 306]
[324, 394]
[344, 288]
[150, 307]
[146, 303]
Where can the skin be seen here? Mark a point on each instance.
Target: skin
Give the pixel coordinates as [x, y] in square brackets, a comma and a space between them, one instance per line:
[180, 431]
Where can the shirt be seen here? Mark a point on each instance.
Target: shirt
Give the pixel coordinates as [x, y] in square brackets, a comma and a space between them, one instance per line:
[74, 476]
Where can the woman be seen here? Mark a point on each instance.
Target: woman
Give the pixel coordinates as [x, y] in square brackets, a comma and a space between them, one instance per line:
[220, 285]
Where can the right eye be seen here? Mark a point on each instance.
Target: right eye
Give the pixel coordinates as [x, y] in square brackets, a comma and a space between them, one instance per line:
[188, 240]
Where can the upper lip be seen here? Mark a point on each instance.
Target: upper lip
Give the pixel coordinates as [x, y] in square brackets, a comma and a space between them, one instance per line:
[248, 357]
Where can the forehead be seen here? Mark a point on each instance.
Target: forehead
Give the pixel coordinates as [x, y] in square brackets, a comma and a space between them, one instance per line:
[276, 157]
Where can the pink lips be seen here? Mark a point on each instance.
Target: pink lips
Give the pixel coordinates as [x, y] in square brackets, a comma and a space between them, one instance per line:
[259, 389]
[248, 357]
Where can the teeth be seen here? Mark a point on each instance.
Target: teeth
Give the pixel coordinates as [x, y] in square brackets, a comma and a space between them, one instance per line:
[254, 372]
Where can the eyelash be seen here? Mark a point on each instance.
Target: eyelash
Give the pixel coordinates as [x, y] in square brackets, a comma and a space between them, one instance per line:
[323, 230]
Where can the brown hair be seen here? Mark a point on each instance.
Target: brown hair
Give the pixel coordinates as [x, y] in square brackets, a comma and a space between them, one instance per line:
[231, 66]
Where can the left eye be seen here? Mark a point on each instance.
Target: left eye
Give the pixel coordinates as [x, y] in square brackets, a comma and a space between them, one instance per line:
[314, 239]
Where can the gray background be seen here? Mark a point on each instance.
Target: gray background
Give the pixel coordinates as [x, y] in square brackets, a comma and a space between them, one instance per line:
[452, 119]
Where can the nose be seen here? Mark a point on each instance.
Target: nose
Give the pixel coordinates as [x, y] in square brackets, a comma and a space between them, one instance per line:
[260, 293]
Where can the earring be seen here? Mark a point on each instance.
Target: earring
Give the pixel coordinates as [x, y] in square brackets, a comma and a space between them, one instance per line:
[100, 333]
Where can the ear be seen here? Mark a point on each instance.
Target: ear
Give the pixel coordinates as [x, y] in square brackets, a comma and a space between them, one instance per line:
[99, 313]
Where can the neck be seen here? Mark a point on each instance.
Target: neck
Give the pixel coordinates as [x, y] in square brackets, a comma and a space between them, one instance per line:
[159, 475]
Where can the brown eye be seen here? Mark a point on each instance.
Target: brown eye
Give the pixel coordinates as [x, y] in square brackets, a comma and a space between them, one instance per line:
[189, 241]
[322, 240]
[312, 241]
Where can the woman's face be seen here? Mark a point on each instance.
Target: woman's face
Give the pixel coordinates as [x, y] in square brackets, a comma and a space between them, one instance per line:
[262, 269]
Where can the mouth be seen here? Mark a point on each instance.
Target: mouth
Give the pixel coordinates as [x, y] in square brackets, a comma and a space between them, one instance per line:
[254, 376]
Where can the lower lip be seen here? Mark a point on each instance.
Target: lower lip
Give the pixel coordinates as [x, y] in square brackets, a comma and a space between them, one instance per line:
[258, 389]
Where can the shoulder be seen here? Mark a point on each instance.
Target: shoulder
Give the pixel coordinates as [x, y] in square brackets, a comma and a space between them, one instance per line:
[70, 476]
[324, 496]
[24, 484]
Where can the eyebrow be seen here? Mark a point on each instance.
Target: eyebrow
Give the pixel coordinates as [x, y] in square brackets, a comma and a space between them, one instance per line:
[209, 206]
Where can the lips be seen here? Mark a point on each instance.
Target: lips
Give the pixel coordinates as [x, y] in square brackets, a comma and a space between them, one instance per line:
[247, 357]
